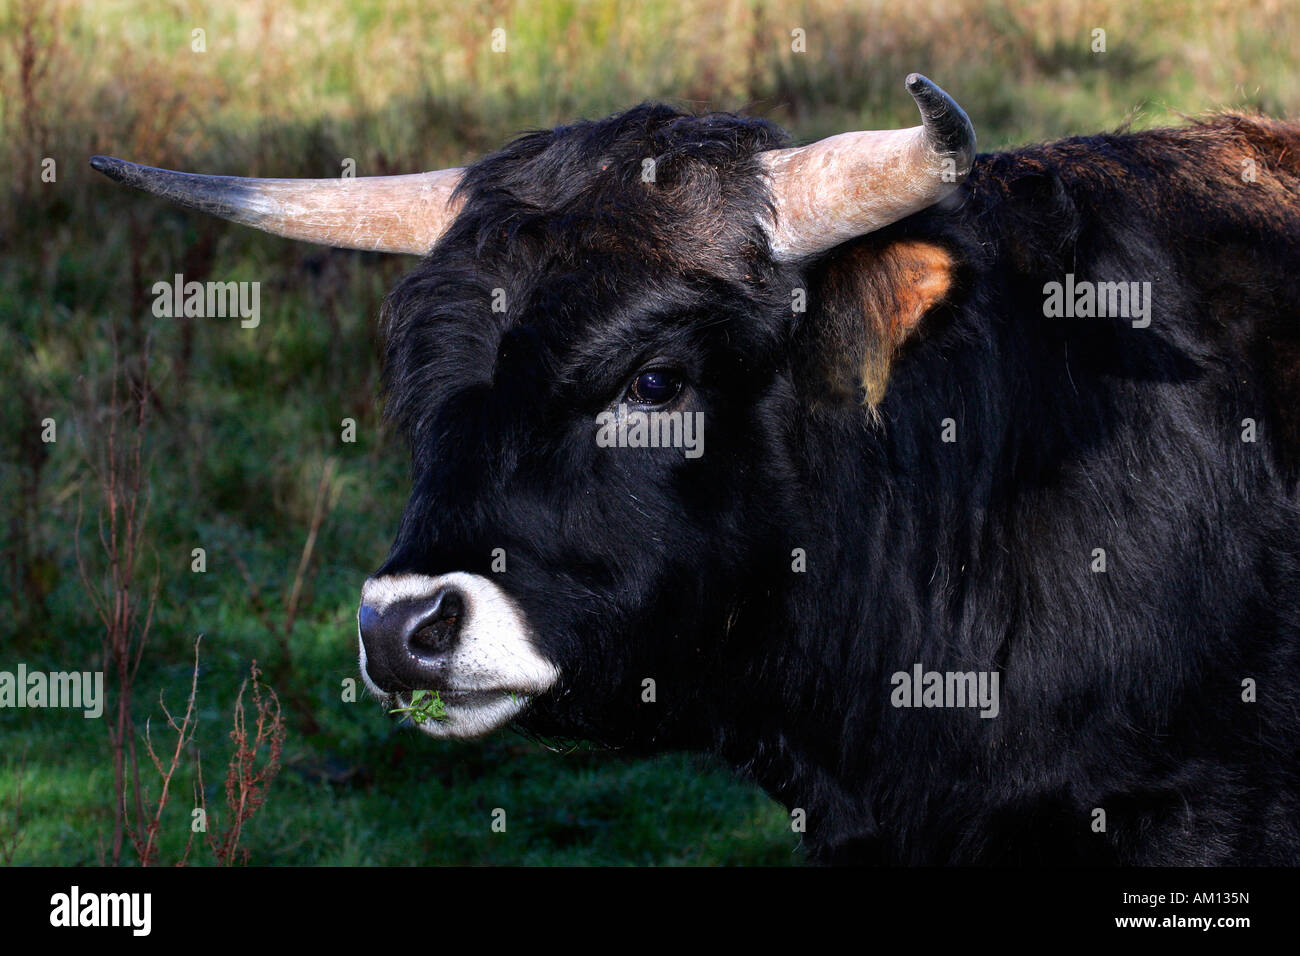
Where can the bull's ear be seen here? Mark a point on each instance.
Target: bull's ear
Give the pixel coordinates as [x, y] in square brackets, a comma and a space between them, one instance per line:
[872, 298]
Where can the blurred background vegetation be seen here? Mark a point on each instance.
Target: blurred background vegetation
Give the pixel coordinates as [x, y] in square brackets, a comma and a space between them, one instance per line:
[241, 446]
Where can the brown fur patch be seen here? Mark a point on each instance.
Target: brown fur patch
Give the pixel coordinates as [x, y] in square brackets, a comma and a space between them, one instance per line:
[895, 285]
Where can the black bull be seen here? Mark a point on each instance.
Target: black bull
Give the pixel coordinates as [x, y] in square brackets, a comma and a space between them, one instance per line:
[991, 552]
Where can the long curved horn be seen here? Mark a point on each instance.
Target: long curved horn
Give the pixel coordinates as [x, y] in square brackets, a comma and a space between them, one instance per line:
[854, 183]
[379, 213]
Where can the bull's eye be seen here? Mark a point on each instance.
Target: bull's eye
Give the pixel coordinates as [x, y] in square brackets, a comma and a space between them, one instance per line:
[655, 386]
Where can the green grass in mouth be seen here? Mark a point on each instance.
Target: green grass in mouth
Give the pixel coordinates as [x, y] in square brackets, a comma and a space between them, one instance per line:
[425, 705]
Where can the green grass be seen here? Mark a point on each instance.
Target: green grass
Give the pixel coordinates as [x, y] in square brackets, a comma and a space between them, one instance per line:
[389, 797]
[243, 421]
[425, 705]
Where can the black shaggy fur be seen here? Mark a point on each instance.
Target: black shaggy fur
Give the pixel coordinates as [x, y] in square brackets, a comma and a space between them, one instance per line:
[1119, 690]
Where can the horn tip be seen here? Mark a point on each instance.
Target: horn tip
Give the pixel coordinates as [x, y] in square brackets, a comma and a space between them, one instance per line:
[946, 123]
[112, 168]
[926, 93]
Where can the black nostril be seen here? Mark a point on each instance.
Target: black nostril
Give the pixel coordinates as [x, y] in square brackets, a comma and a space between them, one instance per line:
[435, 631]
[409, 642]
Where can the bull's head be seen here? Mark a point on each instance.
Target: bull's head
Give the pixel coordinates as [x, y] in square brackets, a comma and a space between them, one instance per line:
[576, 279]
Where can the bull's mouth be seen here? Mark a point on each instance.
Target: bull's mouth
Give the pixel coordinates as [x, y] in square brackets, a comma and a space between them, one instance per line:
[456, 713]
[453, 698]
[471, 698]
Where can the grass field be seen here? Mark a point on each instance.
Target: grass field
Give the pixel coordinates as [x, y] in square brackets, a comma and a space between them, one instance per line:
[242, 452]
